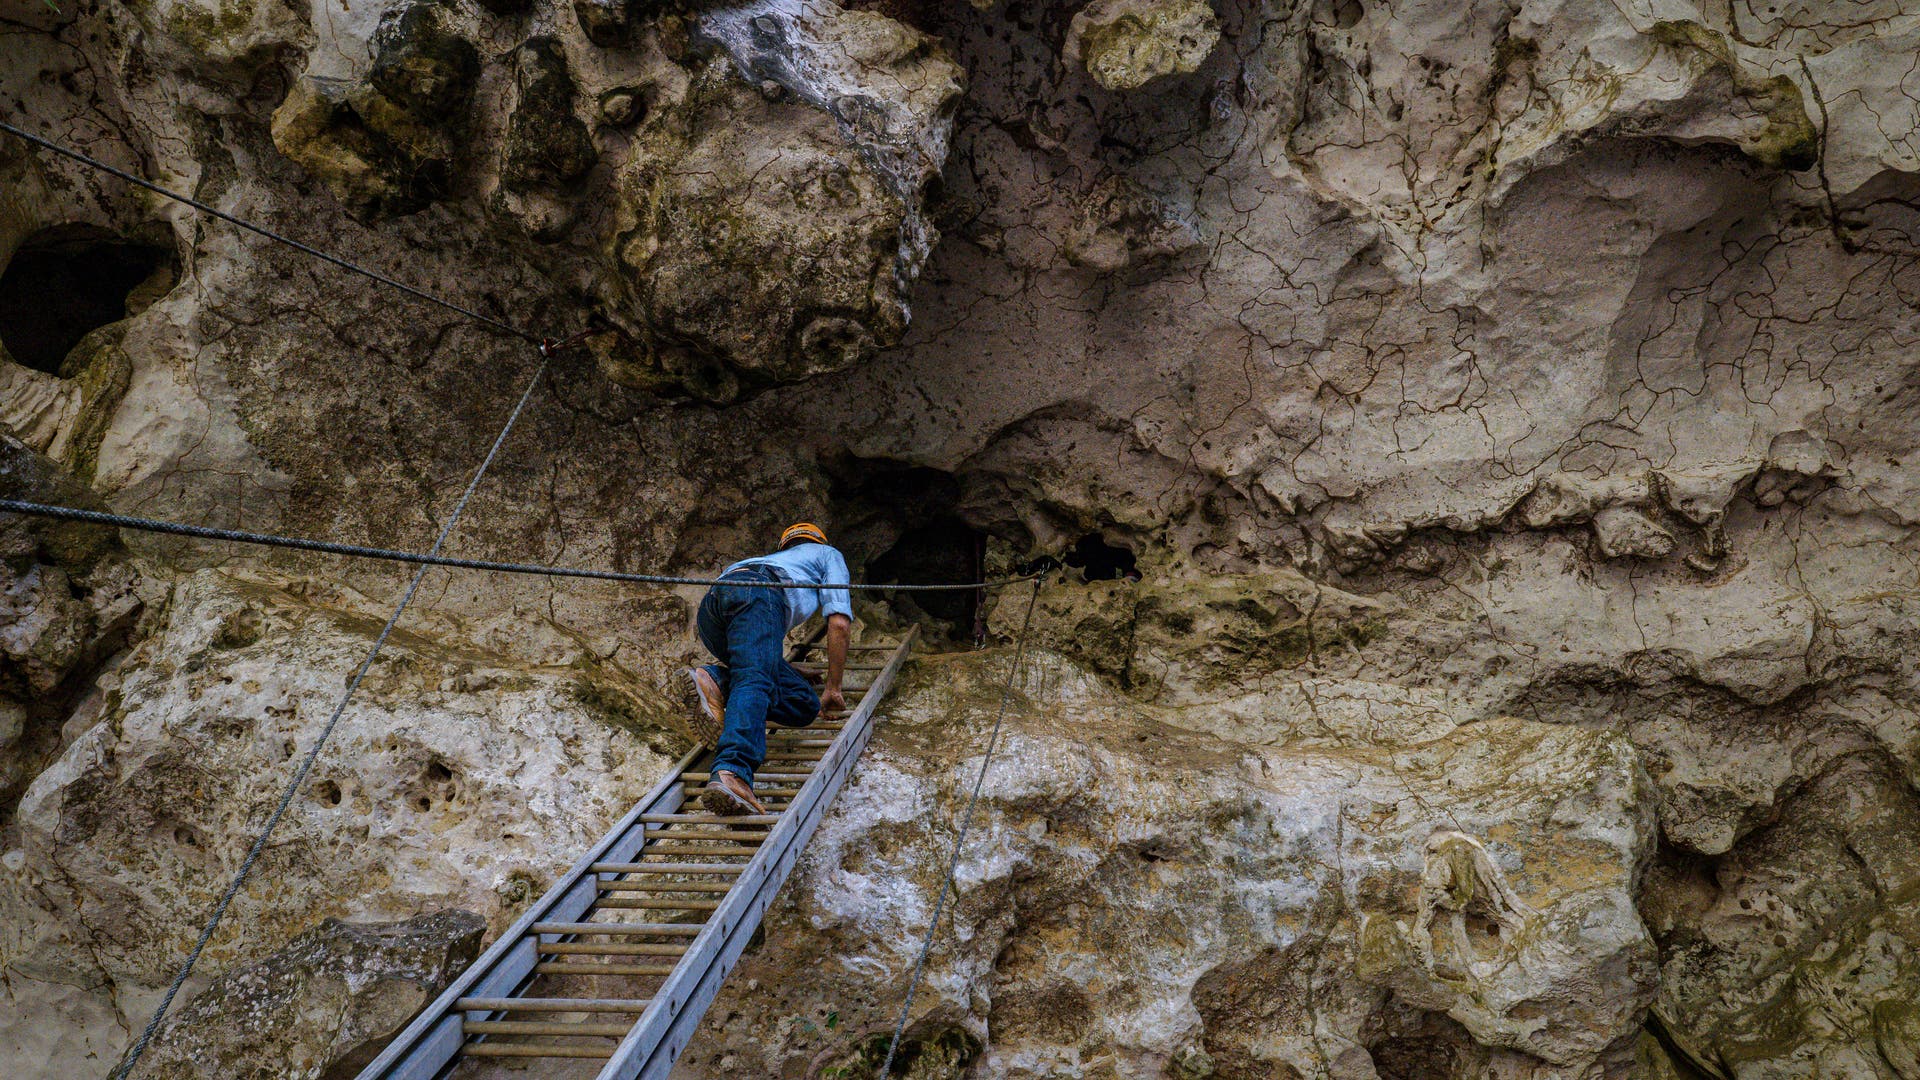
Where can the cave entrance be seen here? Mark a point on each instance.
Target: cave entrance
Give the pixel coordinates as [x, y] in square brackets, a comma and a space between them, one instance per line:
[1098, 560]
[903, 522]
[64, 283]
[940, 551]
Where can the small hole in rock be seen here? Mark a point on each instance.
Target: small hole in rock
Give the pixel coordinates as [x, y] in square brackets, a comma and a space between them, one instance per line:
[423, 803]
[438, 773]
[1098, 560]
[62, 284]
[327, 792]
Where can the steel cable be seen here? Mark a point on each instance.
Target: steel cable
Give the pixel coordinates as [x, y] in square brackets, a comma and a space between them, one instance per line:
[201, 532]
[313, 752]
[959, 842]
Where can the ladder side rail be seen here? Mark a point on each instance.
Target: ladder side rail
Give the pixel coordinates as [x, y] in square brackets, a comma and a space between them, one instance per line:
[686, 1020]
[679, 1002]
[515, 973]
[432, 1041]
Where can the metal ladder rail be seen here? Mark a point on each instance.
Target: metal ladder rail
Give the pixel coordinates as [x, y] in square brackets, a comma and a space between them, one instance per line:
[433, 1042]
[664, 1030]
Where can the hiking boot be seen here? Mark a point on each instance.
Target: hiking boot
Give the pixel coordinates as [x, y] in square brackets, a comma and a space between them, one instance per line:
[728, 795]
[709, 707]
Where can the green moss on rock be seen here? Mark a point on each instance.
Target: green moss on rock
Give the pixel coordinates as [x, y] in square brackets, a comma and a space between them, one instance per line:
[1785, 137]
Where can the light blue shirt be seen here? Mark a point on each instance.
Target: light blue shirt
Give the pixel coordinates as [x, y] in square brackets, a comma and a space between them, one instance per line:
[808, 564]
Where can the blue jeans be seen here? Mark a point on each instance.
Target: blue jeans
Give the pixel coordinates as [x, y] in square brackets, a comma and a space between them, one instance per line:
[745, 628]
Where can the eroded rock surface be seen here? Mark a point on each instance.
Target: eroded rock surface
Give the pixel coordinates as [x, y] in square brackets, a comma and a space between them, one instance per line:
[322, 1006]
[68, 601]
[1125, 44]
[131, 834]
[1384, 371]
[1474, 892]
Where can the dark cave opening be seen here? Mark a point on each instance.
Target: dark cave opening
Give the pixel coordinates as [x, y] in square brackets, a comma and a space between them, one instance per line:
[903, 522]
[64, 283]
[939, 551]
[1098, 560]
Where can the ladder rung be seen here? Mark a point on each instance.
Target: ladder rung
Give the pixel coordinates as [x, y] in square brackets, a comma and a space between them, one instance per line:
[664, 929]
[543, 1027]
[721, 834]
[609, 948]
[653, 915]
[659, 905]
[498, 1049]
[559, 967]
[621, 1005]
[635, 885]
[711, 819]
[666, 868]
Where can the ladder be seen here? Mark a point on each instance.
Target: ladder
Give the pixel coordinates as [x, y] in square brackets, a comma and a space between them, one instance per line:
[667, 898]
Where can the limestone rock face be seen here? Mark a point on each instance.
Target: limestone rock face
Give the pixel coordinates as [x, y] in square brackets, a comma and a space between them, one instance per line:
[1418, 393]
[776, 220]
[68, 601]
[386, 143]
[440, 788]
[322, 1006]
[780, 160]
[1815, 916]
[1122, 224]
[1471, 896]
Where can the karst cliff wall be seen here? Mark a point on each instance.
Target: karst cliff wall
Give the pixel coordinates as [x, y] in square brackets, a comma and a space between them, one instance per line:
[1485, 438]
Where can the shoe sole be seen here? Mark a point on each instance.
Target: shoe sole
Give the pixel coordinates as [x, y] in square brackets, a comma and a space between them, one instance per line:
[709, 713]
[718, 800]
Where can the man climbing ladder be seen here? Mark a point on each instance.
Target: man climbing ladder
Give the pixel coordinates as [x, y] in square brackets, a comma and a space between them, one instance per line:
[744, 627]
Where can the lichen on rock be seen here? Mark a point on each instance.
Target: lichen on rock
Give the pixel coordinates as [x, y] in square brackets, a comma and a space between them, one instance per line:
[1126, 44]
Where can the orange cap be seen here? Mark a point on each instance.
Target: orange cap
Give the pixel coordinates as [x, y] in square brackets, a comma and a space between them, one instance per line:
[805, 530]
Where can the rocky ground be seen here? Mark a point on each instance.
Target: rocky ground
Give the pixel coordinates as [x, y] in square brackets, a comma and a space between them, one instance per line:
[1483, 435]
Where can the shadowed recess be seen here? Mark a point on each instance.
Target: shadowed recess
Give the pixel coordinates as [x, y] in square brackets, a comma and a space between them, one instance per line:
[1098, 560]
[64, 283]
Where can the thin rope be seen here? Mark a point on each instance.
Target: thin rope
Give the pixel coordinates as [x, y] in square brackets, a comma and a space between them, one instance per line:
[68, 152]
[201, 532]
[966, 822]
[306, 764]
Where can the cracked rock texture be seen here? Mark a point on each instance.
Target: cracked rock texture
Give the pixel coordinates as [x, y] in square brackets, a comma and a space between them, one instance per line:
[1137, 899]
[323, 1005]
[1484, 436]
